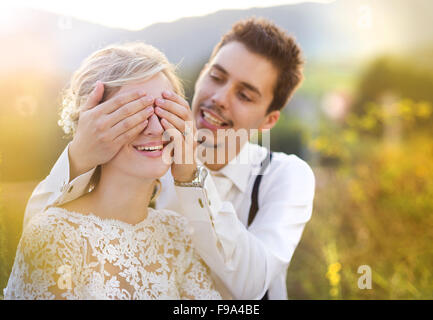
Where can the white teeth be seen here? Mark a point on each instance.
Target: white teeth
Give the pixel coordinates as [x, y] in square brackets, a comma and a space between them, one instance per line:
[153, 148]
[212, 119]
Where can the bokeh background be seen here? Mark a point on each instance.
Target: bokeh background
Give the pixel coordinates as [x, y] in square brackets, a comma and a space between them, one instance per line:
[362, 119]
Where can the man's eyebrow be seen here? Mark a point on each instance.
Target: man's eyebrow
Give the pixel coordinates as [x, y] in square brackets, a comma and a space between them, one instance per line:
[219, 68]
[251, 87]
[243, 83]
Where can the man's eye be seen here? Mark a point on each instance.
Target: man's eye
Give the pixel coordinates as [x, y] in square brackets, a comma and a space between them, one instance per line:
[214, 77]
[244, 97]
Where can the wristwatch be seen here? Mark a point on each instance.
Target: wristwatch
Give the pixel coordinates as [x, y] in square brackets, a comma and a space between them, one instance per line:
[200, 175]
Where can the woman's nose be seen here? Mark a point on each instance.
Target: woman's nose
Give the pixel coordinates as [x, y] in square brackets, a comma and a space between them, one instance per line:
[154, 126]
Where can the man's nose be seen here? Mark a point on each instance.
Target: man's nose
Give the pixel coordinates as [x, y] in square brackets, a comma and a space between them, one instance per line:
[221, 97]
[154, 126]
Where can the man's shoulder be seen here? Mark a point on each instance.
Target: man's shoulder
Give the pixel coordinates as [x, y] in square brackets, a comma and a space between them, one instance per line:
[289, 176]
[291, 163]
[282, 163]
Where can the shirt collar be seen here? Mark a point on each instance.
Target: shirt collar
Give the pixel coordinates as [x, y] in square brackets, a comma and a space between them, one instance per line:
[238, 170]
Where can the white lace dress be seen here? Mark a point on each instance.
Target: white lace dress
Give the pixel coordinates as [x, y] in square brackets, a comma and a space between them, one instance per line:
[68, 255]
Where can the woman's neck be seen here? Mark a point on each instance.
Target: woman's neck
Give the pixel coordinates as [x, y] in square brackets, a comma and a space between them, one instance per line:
[118, 196]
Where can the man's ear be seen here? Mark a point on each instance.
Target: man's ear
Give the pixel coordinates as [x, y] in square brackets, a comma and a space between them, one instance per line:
[270, 120]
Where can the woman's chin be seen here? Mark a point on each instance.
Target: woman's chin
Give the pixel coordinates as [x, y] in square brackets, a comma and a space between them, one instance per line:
[139, 165]
[149, 172]
[145, 171]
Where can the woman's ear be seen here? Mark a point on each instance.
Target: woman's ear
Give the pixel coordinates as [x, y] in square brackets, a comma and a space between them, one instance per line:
[270, 121]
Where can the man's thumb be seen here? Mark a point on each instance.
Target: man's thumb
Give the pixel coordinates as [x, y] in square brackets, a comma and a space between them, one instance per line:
[95, 96]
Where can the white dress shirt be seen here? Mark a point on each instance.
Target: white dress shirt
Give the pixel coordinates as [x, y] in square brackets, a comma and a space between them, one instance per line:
[245, 262]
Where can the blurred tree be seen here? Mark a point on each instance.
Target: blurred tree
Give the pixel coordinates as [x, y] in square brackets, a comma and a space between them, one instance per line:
[400, 77]
[288, 136]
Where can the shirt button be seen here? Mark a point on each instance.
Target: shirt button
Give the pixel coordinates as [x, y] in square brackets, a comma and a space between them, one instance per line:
[200, 202]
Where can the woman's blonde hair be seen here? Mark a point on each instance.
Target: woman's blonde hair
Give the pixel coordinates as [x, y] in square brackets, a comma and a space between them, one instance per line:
[115, 66]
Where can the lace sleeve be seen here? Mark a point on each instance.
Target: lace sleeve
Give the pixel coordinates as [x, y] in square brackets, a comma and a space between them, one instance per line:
[195, 281]
[44, 262]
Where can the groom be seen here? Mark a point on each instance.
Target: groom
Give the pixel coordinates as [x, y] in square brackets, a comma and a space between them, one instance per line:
[245, 226]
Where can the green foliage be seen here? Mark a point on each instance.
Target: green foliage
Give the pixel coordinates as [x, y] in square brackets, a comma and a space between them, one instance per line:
[373, 208]
[402, 77]
[344, 141]
[287, 136]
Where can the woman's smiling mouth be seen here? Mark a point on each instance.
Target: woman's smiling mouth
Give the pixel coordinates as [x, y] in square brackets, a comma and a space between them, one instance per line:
[151, 149]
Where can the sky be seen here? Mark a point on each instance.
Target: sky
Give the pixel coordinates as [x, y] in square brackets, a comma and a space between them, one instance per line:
[134, 14]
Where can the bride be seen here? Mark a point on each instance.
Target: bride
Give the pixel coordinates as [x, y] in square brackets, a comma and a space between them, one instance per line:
[109, 244]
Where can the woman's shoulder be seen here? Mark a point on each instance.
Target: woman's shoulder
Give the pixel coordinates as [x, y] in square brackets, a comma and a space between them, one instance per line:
[49, 231]
[53, 220]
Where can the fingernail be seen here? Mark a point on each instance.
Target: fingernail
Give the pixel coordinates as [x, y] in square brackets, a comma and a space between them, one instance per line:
[159, 101]
[149, 109]
[167, 93]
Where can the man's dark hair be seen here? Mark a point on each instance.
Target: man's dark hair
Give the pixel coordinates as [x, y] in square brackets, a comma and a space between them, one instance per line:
[263, 37]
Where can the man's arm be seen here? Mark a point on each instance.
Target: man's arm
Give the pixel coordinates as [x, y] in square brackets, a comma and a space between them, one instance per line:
[247, 260]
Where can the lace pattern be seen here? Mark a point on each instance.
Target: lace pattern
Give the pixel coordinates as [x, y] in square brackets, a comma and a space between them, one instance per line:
[69, 255]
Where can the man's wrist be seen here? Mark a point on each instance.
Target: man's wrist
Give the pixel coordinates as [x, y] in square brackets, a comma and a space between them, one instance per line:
[197, 179]
[186, 174]
[187, 178]
[75, 167]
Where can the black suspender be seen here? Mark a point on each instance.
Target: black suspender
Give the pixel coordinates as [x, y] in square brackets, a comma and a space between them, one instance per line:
[255, 193]
[255, 196]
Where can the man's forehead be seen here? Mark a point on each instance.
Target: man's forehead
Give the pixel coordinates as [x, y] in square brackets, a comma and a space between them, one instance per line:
[242, 65]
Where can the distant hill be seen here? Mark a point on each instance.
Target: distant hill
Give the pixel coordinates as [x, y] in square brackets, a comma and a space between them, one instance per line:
[339, 30]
